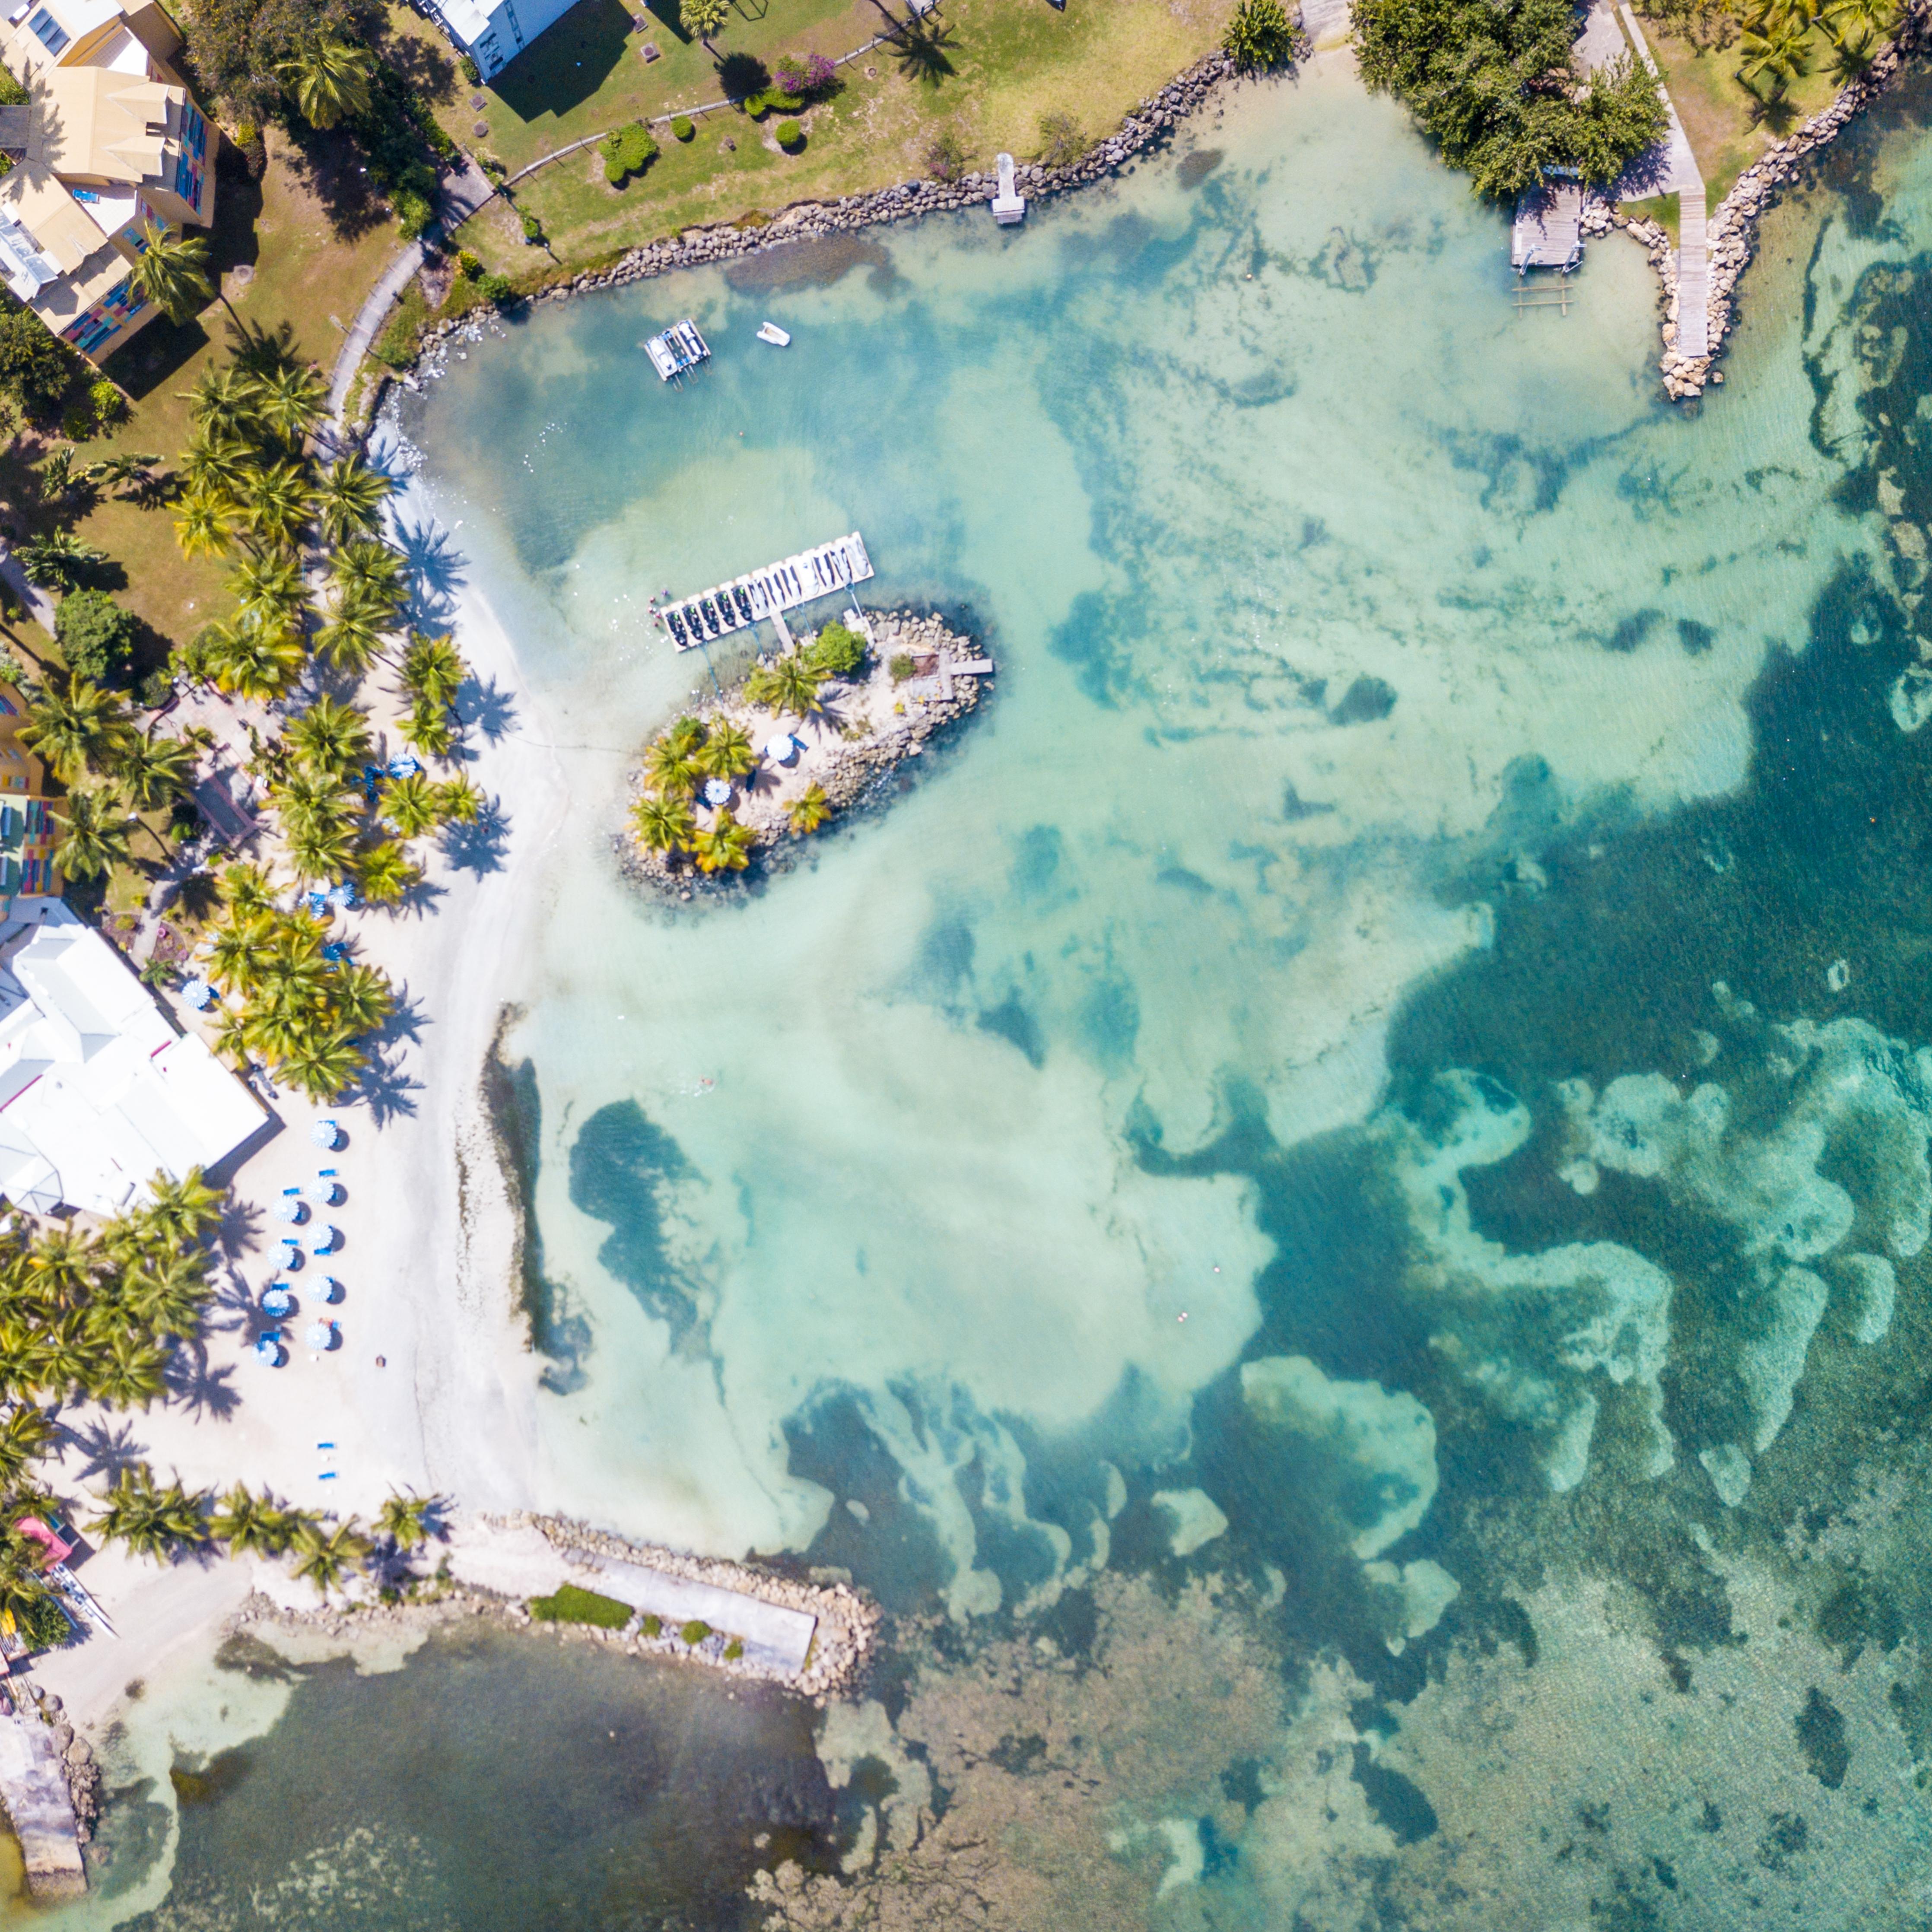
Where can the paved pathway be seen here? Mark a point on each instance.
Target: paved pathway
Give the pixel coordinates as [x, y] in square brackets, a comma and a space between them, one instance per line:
[462, 196]
[1675, 169]
[40, 606]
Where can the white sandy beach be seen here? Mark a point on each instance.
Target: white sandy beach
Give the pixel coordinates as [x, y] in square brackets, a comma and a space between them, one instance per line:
[425, 1256]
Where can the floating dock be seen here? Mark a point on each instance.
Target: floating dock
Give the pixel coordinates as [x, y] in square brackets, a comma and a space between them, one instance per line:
[1548, 230]
[680, 347]
[779, 587]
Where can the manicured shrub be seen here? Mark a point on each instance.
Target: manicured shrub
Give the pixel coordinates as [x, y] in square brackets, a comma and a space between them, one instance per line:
[43, 1623]
[468, 266]
[568, 1604]
[695, 1632]
[790, 134]
[107, 403]
[773, 100]
[155, 689]
[684, 127]
[491, 166]
[628, 151]
[900, 666]
[497, 288]
[653, 1626]
[733, 1651]
[839, 651]
[472, 73]
[533, 232]
[96, 636]
[34, 368]
[413, 213]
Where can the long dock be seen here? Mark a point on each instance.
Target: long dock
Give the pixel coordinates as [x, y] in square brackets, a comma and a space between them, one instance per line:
[34, 1788]
[768, 593]
[771, 1634]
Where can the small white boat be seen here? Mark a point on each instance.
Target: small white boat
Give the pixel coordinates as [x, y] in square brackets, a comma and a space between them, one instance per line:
[771, 332]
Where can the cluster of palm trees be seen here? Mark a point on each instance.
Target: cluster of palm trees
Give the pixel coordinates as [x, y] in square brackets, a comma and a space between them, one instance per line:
[1778, 36]
[303, 1011]
[691, 752]
[251, 491]
[94, 1315]
[83, 730]
[155, 1520]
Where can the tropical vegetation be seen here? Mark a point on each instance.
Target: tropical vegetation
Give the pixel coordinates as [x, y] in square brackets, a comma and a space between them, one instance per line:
[1259, 35]
[1501, 93]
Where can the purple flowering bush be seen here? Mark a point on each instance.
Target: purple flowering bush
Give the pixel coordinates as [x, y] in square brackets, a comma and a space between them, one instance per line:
[804, 74]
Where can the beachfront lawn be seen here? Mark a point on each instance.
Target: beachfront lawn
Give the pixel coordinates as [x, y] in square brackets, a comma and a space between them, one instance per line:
[312, 237]
[1012, 62]
[1725, 123]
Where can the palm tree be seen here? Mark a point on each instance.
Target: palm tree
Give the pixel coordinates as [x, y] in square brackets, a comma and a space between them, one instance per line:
[363, 999]
[24, 1435]
[702, 18]
[60, 1265]
[149, 1519]
[726, 753]
[154, 771]
[791, 685]
[325, 1557]
[321, 851]
[1779, 55]
[96, 838]
[724, 846]
[268, 590]
[322, 1065]
[169, 1292]
[425, 728]
[671, 766]
[433, 670]
[218, 464]
[811, 810]
[172, 272]
[252, 661]
[246, 890]
[386, 873]
[351, 638]
[410, 805]
[206, 525]
[663, 824]
[224, 401]
[349, 498]
[126, 1372]
[250, 1524]
[404, 1520]
[293, 398]
[458, 802]
[79, 725]
[279, 503]
[239, 950]
[309, 798]
[182, 1211]
[364, 563]
[57, 560]
[329, 736]
[329, 79]
[685, 736]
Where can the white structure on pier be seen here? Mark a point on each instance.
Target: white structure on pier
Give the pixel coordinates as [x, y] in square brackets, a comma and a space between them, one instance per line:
[1009, 204]
[680, 347]
[770, 593]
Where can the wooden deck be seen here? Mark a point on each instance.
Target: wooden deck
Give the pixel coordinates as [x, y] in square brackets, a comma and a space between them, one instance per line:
[1548, 231]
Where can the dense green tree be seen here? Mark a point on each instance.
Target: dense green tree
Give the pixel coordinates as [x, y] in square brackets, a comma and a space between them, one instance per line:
[1258, 35]
[35, 366]
[96, 636]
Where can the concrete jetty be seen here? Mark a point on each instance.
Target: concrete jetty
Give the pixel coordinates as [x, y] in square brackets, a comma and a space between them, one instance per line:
[770, 1633]
[824, 571]
[33, 1789]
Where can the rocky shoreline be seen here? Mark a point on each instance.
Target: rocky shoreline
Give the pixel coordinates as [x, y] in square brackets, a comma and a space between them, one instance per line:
[1731, 232]
[849, 773]
[1152, 122]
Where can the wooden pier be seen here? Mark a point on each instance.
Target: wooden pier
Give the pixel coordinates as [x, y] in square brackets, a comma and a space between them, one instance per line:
[1548, 231]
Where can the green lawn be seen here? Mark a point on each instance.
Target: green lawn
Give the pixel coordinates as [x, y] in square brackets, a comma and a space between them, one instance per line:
[1727, 127]
[1011, 61]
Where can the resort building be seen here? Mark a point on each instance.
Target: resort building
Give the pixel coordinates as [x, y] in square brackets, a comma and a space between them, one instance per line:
[109, 141]
[98, 1091]
[27, 833]
[493, 32]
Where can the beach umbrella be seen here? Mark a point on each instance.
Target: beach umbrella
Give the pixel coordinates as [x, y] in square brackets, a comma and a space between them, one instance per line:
[717, 791]
[200, 995]
[292, 1252]
[325, 1240]
[325, 1193]
[268, 1348]
[782, 751]
[290, 1209]
[329, 1288]
[321, 1335]
[326, 1134]
[276, 1300]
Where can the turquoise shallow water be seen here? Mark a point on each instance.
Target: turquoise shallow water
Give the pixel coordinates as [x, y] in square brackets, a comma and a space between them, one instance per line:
[1330, 1206]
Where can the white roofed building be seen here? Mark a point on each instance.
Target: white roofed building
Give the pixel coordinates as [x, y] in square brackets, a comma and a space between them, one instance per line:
[97, 1090]
[493, 32]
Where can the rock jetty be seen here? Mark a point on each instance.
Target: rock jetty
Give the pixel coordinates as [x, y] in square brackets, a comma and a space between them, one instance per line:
[51, 1787]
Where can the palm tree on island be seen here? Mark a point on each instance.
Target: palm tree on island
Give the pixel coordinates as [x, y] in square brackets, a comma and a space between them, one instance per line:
[663, 824]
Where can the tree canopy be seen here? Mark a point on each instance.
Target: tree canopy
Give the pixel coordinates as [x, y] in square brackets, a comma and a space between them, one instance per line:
[1496, 87]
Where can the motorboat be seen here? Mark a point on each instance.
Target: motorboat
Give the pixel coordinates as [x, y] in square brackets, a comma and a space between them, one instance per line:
[769, 332]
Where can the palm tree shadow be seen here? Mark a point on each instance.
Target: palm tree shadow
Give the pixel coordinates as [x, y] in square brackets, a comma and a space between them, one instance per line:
[435, 568]
[479, 847]
[387, 1089]
[489, 707]
[405, 1023]
[919, 45]
[106, 1448]
[420, 899]
[239, 1230]
[203, 1390]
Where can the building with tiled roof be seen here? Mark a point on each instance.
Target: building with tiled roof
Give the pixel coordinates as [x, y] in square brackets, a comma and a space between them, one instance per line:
[109, 141]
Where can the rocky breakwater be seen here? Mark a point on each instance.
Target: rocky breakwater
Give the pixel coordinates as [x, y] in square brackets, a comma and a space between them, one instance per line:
[1731, 231]
[50, 1785]
[1152, 123]
[836, 755]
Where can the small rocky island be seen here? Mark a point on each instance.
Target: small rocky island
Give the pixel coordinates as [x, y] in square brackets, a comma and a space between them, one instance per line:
[801, 738]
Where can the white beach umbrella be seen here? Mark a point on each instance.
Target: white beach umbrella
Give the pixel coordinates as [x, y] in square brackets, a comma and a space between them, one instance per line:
[321, 1335]
[289, 1209]
[324, 1239]
[326, 1134]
